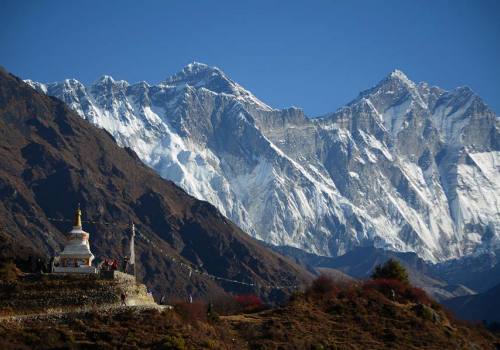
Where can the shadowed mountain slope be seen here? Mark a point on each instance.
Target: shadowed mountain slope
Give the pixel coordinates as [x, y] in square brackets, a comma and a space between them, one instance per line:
[479, 307]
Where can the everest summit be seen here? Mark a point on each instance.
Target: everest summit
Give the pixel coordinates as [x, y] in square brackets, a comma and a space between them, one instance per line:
[405, 166]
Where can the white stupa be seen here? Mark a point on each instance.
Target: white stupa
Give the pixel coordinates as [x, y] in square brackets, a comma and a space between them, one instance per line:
[76, 256]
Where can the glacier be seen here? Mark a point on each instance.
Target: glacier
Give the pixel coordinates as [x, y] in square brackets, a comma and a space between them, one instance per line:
[404, 166]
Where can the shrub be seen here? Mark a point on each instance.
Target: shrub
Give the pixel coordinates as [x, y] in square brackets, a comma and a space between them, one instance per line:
[389, 335]
[323, 285]
[392, 269]
[397, 290]
[347, 291]
[171, 342]
[418, 295]
[9, 272]
[426, 313]
[249, 302]
[386, 287]
[226, 305]
[296, 295]
[337, 309]
[212, 315]
[211, 344]
[231, 305]
[7, 311]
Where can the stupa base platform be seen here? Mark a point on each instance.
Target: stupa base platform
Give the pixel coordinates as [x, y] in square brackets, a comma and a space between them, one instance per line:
[64, 293]
[81, 269]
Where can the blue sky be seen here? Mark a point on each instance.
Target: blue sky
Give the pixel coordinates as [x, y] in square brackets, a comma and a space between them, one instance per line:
[317, 55]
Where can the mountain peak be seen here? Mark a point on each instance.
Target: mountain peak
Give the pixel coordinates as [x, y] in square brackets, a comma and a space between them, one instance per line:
[400, 76]
[72, 83]
[198, 67]
[394, 84]
[105, 79]
[200, 75]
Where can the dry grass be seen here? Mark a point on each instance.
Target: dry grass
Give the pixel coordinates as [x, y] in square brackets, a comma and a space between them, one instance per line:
[326, 316]
[9, 272]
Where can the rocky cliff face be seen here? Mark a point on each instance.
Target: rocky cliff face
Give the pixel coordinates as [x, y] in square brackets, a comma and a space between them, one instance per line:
[404, 166]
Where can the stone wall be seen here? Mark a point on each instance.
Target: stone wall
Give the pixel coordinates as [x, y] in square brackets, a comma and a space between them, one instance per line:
[34, 293]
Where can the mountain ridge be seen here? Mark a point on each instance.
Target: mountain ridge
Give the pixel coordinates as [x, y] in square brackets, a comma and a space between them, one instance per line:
[291, 180]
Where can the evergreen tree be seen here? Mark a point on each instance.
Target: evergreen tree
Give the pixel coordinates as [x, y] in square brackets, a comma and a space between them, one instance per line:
[392, 269]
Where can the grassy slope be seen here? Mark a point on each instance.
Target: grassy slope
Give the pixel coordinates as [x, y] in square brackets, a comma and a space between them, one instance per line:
[350, 317]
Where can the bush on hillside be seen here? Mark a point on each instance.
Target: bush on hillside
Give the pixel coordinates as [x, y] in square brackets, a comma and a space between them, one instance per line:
[398, 291]
[426, 312]
[418, 295]
[225, 305]
[249, 302]
[171, 342]
[386, 286]
[393, 270]
[235, 304]
[9, 272]
[323, 285]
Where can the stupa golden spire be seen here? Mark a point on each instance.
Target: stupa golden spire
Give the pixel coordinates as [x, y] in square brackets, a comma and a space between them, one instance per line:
[78, 218]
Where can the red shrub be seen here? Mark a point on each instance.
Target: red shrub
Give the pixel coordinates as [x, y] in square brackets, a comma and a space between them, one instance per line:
[348, 291]
[386, 286]
[249, 302]
[418, 295]
[226, 305]
[399, 290]
[323, 285]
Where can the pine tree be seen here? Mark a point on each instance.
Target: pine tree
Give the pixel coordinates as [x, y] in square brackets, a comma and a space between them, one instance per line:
[392, 269]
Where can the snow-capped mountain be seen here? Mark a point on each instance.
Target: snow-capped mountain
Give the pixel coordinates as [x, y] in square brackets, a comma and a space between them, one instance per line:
[405, 166]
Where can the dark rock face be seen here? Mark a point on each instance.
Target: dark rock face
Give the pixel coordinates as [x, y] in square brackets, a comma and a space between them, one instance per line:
[51, 159]
[404, 166]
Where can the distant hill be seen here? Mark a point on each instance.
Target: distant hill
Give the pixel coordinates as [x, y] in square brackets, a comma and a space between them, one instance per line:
[480, 307]
[51, 159]
[441, 281]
